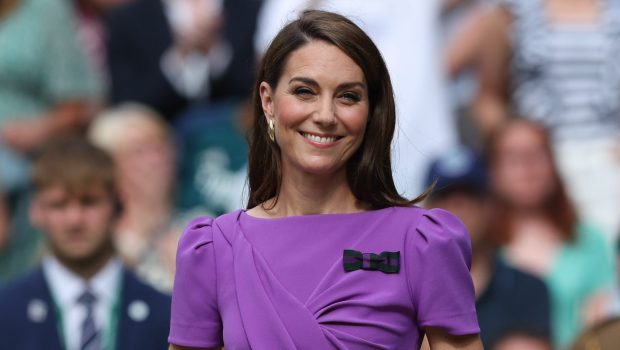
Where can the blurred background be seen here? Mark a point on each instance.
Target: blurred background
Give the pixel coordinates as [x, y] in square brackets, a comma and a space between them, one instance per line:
[510, 107]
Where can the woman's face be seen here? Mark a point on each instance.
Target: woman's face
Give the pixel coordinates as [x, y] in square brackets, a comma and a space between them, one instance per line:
[145, 160]
[319, 108]
[522, 171]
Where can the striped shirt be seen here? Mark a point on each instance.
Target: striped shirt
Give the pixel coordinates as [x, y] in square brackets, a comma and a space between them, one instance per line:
[566, 75]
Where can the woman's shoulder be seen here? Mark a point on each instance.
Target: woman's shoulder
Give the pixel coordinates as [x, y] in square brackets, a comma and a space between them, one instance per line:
[431, 219]
[198, 232]
[200, 228]
[197, 238]
[435, 229]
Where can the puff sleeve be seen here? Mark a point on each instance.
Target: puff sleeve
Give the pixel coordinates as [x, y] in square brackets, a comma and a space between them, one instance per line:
[195, 320]
[438, 260]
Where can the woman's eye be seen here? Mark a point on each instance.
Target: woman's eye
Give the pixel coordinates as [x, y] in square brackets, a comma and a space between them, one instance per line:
[302, 91]
[351, 96]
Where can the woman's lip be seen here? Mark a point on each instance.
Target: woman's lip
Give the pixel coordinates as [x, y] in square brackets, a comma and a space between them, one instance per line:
[320, 144]
[319, 134]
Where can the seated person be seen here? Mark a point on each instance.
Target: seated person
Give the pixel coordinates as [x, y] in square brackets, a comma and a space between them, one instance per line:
[139, 140]
[512, 306]
[47, 89]
[170, 54]
[213, 157]
[81, 297]
[602, 336]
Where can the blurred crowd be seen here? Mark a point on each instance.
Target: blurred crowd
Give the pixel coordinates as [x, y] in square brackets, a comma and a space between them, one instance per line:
[508, 109]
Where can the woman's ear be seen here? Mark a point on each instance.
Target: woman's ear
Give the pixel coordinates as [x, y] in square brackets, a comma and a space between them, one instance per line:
[266, 97]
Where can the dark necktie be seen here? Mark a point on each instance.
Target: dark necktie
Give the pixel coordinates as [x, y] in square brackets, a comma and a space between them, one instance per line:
[90, 338]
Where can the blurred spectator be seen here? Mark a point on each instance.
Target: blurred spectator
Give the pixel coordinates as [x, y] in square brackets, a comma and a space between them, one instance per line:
[4, 224]
[81, 297]
[407, 33]
[23, 243]
[91, 35]
[214, 154]
[169, 53]
[614, 304]
[142, 146]
[556, 62]
[463, 31]
[602, 336]
[521, 342]
[45, 85]
[510, 304]
[46, 89]
[540, 231]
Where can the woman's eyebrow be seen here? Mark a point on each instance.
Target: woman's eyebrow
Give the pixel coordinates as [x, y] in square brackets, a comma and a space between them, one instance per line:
[310, 81]
[304, 80]
[352, 85]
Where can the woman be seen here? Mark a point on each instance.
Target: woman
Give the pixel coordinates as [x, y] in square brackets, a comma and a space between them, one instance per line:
[140, 140]
[327, 255]
[556, 62]
[540, 231]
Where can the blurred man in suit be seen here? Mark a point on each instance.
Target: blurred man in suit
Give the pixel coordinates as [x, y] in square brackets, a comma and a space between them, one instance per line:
[172, 54]
[81, 297]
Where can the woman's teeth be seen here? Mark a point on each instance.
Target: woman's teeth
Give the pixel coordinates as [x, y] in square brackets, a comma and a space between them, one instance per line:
[319, 139]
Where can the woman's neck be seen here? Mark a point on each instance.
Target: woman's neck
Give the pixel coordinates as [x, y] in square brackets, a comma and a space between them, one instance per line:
[307, 194]
[527, 214]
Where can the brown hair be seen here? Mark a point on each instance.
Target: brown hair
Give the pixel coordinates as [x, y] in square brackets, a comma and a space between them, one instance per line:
[74, 164]
[7, 6]
[558, 208]
[369, 171]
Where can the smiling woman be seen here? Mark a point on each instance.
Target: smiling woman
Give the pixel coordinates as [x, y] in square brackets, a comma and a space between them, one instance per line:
[334, 67]
[319, 111]
[327, 254]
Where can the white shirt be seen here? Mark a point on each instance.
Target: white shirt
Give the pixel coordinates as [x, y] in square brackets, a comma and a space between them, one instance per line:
[66, 287]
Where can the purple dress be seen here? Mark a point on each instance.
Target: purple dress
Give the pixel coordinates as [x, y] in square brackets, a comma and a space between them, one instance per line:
[252, 283]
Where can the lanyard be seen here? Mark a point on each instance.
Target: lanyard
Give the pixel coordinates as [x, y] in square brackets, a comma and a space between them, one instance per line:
[109, 333]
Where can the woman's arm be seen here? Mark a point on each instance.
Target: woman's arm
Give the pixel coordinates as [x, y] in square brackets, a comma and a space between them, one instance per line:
[464, 48]
[23, 135]
[490, 107]
[439, 339]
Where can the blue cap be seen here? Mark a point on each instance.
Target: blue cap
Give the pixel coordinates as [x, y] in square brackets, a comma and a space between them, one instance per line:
[459, 169]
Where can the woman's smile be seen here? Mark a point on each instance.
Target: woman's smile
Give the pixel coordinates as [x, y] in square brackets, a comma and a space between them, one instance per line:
[320, 140]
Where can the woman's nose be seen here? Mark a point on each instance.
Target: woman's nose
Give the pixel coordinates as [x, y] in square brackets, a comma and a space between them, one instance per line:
[325, 113]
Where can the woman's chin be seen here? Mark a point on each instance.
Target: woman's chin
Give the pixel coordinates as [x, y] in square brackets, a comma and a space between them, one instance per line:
[324, 170]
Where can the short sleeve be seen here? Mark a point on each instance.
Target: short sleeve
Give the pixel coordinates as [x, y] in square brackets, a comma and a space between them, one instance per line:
[195, 320]
[601, 272]
[438, 261]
